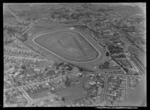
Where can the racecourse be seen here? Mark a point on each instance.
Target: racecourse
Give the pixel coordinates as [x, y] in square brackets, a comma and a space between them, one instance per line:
[69, 29]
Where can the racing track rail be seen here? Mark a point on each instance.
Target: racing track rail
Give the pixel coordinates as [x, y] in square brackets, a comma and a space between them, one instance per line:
[62, 57]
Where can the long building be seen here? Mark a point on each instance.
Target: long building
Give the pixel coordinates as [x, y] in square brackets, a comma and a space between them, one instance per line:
[137, 64]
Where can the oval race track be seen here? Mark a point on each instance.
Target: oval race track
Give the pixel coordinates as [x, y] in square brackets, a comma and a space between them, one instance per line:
[81, 49]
